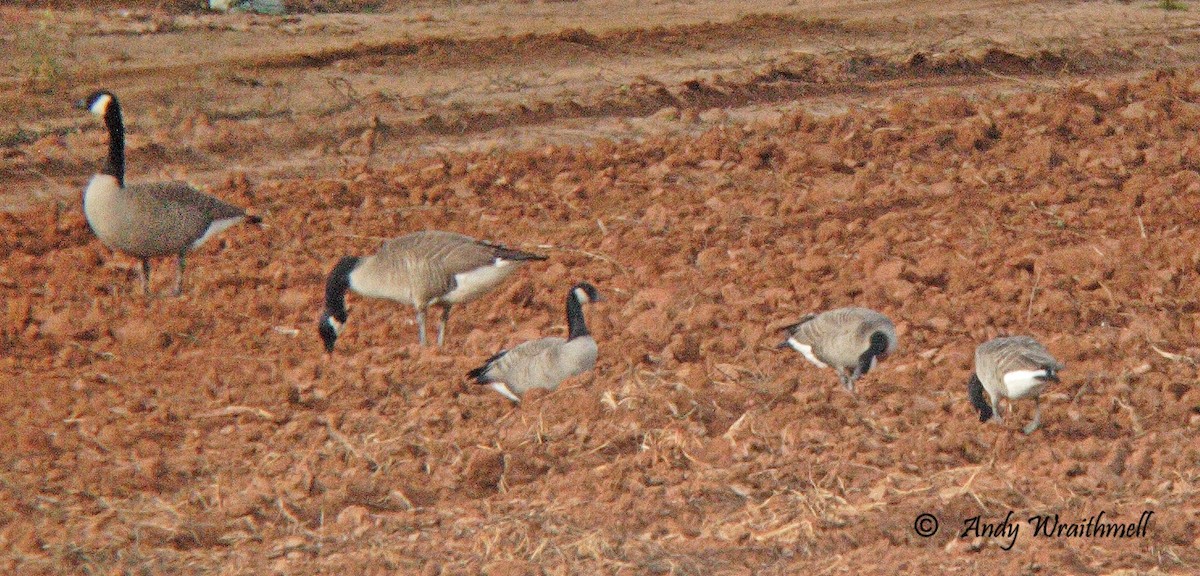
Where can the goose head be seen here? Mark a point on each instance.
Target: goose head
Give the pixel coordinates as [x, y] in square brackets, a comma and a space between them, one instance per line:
[97, 102]
[585, 293]
[334, 316]
[978, 398]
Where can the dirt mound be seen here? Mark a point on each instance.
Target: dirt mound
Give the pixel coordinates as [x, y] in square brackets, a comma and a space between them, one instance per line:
[210, 432]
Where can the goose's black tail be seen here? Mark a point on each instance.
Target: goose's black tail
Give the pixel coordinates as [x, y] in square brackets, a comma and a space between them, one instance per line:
[479, 375]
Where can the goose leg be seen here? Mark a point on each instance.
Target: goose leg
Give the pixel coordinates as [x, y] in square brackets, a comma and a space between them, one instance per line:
[144, 273]
[1037, 417]
[421, 326]
[442, 325]
[179, 275]
[847, 381]
[854, 376]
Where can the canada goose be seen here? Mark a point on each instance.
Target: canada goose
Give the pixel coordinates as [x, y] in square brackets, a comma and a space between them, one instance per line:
[851, 340]
[546, 362]
[148, 219]
[419, 269]
[1012, 367]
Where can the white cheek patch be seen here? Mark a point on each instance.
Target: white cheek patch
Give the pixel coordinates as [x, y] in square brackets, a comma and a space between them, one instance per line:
[337, 326]
[504, 391]
[807, 351]
[581, 295]
[100, 106]
[1020, 383]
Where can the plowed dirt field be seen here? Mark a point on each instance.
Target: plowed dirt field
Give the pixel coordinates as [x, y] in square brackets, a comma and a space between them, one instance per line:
[717, 170]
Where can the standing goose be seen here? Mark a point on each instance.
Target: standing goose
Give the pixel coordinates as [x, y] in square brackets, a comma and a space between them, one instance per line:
[148, 219]
[851, 340]
[419, 269]
[546, 362]
[1012, 367]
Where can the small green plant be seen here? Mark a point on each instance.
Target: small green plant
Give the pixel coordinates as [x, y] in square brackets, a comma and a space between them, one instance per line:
[17, 137]
[1171, 5]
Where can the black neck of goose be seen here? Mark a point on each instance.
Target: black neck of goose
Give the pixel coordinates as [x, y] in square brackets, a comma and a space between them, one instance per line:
[336, 287]
[978, 399]
[575, 321]
[115, 164]
[878, 346]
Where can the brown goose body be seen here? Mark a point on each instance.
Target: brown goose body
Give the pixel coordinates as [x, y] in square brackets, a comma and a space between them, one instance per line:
[545, 362]
[149, 220]
[1012, 367]
[435, 267]
[849, 340]
[420, 269]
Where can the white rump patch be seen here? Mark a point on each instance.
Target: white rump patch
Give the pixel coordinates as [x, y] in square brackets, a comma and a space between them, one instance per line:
[216, 227]
[1021, 383]
[100, 106]
[807, 351]
[475, 283]
[505, 391]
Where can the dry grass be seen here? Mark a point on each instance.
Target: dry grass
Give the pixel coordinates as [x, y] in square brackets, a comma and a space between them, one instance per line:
[43, 59]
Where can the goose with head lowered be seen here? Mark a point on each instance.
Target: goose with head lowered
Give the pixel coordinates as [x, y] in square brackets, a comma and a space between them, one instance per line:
[850, 340]
[148, 219]
[546, 362]
[420, 269]
[1012, 367]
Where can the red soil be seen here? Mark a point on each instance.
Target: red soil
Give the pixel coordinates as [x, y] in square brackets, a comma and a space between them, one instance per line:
[211, 434]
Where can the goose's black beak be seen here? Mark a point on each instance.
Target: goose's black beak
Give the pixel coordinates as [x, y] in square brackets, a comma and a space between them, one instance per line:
[81, 104]
[783, 345]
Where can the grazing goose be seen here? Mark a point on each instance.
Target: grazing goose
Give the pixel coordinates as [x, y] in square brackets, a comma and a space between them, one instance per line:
[1012, 367]
[148, 219]
[546, 362]
[851, 340]
[419, 269]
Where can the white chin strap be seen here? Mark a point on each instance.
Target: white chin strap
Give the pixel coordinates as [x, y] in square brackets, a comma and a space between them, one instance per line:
[100, 106]
[337, 326]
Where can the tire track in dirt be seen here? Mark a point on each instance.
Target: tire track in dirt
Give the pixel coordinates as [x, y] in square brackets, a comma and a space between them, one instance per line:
[440, 92]
[789, 79]
[571, 44]
[857, 76]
